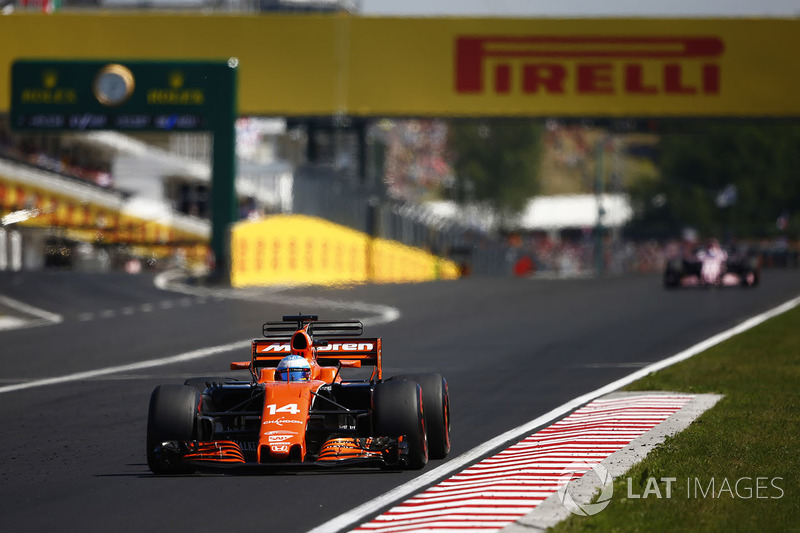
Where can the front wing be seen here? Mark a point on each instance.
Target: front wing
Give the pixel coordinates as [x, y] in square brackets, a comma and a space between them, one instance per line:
[383, 452]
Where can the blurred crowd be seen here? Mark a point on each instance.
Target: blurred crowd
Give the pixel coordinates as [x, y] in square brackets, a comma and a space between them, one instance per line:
[415, 160]
[543, 255]
[55, 154]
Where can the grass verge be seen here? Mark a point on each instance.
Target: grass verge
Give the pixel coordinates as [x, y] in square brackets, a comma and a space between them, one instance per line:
[751, 437]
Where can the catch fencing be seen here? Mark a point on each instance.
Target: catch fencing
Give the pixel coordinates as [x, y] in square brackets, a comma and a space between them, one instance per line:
[319, 192]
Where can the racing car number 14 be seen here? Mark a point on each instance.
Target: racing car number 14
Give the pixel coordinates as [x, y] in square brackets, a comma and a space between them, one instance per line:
[288, 408]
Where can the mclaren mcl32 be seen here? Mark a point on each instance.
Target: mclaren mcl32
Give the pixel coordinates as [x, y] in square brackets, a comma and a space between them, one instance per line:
[297, 410]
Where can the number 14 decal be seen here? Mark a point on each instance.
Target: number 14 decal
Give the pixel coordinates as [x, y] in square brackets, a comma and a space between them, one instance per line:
[288, 408]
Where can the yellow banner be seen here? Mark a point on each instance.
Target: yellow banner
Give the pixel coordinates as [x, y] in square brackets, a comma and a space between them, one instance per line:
[368, 66]
[302, 250]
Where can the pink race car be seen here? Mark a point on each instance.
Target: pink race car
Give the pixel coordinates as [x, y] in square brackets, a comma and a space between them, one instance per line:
[713, 266]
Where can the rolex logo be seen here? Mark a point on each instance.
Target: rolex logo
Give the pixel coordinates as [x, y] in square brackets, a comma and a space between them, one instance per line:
[176, 93]
[176, 79]
[49, 78]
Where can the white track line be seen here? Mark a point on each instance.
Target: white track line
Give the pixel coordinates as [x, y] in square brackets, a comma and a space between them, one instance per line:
[12, 322]
[45, 317]
[360, 513]
[180, 358]
[383, 314]
[170, 280]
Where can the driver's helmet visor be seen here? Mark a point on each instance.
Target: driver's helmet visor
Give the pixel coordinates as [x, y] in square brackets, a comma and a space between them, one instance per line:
[294, 374]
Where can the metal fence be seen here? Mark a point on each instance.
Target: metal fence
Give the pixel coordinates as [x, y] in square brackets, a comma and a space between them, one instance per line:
[320, 192]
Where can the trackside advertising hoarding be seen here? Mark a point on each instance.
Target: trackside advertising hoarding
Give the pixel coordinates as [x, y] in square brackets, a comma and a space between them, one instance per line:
[303, 250]
[295, 65]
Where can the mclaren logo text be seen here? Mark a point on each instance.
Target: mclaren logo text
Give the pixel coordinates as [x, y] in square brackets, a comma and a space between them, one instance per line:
[284, 347]
[588, 65]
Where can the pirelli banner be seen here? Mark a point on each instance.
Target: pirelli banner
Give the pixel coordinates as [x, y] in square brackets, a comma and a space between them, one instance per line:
[295, 65]
[302, 250]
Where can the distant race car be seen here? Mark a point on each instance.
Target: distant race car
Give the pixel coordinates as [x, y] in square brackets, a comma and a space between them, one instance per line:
[713, 266]
[297, 411]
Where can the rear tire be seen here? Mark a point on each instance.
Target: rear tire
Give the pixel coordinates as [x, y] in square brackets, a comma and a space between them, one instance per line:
[397, 410]
[673, 274]
[749, 278]
[172, 417]
[671, 281]
[436, 405]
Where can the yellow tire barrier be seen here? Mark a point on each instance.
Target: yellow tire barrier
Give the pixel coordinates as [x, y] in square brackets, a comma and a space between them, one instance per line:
[303, 250]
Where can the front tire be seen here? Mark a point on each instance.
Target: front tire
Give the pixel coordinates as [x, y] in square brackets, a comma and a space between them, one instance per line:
[202, 383]
[436, 405]
[172, 417]
[397, 410]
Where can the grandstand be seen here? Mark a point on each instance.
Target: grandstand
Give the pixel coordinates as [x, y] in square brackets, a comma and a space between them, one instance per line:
[143, 198]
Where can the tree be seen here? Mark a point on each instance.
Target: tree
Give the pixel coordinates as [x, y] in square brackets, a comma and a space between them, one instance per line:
[731, 179]
[496, 161]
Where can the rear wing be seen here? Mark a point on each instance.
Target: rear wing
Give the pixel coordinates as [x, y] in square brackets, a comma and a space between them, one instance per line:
[320, 329]
[335, 342]
[269, 352]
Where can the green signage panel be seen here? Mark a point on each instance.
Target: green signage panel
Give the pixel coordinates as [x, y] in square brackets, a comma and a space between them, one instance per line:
[119, 95]
[58, 95]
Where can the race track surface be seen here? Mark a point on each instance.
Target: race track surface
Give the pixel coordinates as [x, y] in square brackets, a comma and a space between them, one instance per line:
[73, 454]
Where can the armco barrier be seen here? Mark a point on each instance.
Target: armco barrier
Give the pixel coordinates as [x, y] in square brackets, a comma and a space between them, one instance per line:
[297, 249]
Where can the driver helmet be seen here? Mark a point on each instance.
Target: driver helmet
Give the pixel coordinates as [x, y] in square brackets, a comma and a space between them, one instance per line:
[293, 368]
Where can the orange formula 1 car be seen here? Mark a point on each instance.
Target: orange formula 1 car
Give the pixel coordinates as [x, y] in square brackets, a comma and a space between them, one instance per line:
[297, 410]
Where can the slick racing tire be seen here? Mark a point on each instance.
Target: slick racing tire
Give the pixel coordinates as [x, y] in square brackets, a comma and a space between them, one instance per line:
[172, 417]
[673, 274]
[750, 278]
[436, 405]
[397, 410]
[202, 383]
[751, 273]
[671, 280]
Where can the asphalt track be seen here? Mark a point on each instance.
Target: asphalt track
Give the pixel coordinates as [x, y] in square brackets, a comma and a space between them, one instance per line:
[72, 453]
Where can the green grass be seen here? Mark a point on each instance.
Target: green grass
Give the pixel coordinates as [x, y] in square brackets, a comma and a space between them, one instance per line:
[753, 432]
